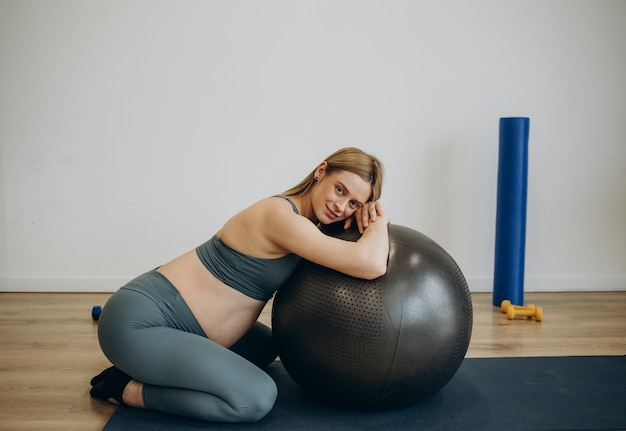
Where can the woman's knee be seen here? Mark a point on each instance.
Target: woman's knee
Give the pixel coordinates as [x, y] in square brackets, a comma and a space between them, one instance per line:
[260, 399]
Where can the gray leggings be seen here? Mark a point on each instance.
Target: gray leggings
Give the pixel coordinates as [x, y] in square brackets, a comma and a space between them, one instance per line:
[147, 330]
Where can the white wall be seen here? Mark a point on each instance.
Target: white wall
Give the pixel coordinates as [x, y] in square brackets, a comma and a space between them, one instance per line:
[130, 130]
[3, 228]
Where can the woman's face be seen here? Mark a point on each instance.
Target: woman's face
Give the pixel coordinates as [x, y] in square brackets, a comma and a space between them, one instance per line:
[338, 195]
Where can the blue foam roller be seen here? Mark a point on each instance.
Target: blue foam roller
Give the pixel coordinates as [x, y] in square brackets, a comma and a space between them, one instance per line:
[510, 247]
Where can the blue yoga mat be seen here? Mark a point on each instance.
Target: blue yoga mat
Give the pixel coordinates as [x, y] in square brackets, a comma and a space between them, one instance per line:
[512, 394]
[508, 281]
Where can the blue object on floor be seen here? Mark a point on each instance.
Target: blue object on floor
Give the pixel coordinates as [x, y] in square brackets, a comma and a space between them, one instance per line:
[508, 280]
[95, 312]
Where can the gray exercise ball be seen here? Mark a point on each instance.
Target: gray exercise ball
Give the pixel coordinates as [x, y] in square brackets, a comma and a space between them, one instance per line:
[383, 343]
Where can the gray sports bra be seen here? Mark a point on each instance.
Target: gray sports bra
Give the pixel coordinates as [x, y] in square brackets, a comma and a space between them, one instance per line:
[255, 277]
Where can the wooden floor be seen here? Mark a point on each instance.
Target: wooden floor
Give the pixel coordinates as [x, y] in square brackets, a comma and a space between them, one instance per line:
[49, 348]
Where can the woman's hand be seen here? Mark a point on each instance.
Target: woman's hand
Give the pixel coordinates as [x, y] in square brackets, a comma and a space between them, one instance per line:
[370, 212]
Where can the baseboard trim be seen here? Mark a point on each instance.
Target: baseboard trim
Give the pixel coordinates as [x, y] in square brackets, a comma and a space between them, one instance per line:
[104, 284]
[557, 284]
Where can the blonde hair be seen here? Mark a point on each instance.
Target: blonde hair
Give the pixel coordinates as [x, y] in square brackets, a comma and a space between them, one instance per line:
[349, 159]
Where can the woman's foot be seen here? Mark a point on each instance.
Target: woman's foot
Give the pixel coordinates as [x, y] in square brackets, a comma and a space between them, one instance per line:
[100, 377]
[109, 385]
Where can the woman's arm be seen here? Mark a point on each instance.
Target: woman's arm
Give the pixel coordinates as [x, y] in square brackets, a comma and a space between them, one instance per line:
[365, 258]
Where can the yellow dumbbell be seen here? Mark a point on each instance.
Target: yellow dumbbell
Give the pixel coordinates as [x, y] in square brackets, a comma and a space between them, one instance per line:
[536, 312]
[504, 306]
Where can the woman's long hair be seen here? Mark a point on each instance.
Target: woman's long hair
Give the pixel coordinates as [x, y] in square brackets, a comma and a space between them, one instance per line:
[350, 159]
